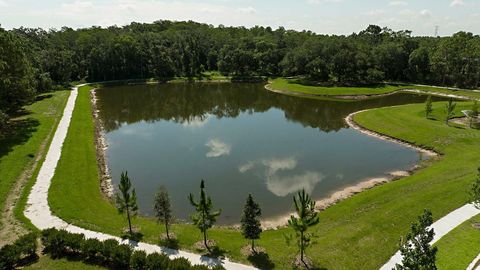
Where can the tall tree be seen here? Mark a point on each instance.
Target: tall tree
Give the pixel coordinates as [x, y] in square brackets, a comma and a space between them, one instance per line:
[307, 216]
[415, 249]
[204, 218]
[449, 110]
[428, 107]
[162, 208]
[127, 199]
[251, 227]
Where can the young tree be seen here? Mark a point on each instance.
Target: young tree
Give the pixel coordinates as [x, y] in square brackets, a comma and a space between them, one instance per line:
[204, 218]
[162, 208]
[474, 113]
[251, 227]
[307, 217]
[449, 110]
[428, 107]
[476, 191]
[127, 199]
[416, 250]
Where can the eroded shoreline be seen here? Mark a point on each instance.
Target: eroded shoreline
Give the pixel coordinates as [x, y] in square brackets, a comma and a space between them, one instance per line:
[101, 146]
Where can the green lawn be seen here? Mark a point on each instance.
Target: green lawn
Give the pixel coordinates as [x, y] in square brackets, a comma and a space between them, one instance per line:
[362, 231]
[294, 86]
[458, 248]
[19, 149]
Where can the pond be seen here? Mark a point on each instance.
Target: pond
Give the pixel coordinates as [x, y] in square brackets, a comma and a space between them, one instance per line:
[240, 139]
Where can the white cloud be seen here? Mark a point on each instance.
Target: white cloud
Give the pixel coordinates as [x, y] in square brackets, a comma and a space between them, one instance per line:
[218, 148]
[323, 1]
[249, 10]
[457, 3]
[282, 185]
[398, 3]
[425, 13]
[3, 3]
[196, 122]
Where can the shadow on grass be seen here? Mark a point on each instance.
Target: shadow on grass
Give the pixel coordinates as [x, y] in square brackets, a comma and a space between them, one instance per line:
[216, 252]
[17, 133]
[135, 236]
[172, 243]
[261, 260]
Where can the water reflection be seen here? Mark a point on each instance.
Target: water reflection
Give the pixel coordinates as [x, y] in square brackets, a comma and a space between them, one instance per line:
[241, 139]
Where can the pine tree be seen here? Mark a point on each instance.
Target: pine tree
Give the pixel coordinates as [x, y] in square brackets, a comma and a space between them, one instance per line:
[428, 107]
[416, 250]
[127, 199]
[307, 217]
[162, 208]
[476, 191]
[449, 110]
[204, 218]
[251, 227]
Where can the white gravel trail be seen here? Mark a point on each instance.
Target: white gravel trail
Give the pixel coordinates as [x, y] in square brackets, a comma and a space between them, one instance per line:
[39, 213]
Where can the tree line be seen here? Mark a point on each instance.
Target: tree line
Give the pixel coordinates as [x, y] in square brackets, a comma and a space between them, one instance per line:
[35, 60]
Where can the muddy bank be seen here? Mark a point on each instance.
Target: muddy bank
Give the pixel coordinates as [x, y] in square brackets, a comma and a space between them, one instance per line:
[101, 146]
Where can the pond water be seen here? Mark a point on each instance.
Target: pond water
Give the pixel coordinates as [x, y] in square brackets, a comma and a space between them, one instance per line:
[241, 139]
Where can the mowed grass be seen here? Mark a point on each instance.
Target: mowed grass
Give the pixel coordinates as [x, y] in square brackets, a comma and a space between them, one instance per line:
[359, 233]
[20, 148]
[457, 249]
[290, 85]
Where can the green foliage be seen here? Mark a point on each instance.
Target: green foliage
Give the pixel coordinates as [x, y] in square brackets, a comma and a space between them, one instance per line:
[109, 247]
[162, 208]
[54, 242]
[415, 248]
[475, 192]
[179, 264]
[251, 227]
[428, 106]
[16, 73]
[306, 217]
[126, 199]
[204, 218]
[157, 261]
[450, 110]
[91, 249]
[121, 256]
[138, 260]
[24, 247]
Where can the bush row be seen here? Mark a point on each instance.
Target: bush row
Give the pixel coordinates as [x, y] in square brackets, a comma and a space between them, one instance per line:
[60, 243]
[23, 249]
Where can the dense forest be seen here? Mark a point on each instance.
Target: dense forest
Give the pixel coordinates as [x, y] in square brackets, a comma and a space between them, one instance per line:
[36, 60]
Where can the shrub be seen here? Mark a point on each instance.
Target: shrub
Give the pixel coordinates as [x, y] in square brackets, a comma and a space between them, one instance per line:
[121, 256]
[157, 261]
[179, 264]
[27, 245]
[74, 242]
[138, 261]
[109, 247]
[91, 249]
[200, 267]
[9, 256]
[54, 242]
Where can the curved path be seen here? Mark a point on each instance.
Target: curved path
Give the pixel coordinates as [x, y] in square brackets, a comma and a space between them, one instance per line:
[442, 226]
[39, 213]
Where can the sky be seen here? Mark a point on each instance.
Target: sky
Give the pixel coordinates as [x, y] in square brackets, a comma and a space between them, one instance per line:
[320, 16]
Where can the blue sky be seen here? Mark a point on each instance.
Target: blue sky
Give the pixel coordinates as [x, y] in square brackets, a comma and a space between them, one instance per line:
[321, 16]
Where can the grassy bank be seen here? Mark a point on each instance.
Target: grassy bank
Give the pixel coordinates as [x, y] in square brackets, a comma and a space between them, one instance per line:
[25, 143]
[363, 230]
[296, 86]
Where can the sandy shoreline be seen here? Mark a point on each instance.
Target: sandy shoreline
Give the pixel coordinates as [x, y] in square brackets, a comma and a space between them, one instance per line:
[101, 146]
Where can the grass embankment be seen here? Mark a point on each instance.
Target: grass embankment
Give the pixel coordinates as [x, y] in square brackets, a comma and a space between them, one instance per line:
[29, 137]
[295, 86]
[362, 231]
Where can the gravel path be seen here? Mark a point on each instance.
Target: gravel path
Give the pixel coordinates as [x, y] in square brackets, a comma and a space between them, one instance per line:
[39, 213]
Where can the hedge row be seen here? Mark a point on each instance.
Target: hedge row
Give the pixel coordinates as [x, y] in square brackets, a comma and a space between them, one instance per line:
[110, 253]
[23, 249]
